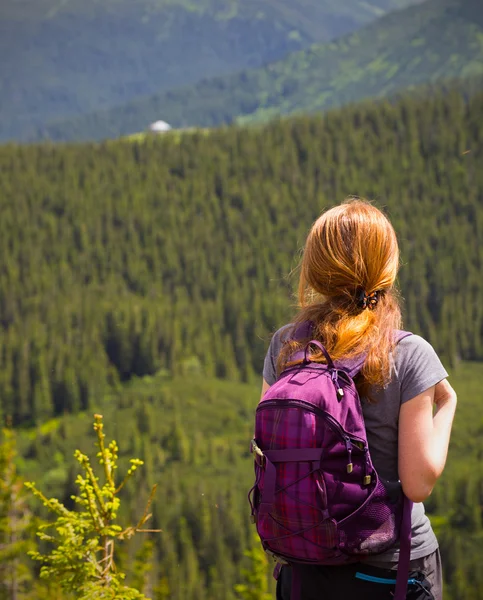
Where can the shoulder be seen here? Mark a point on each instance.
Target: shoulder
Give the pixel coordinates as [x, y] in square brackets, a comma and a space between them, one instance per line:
[284, 333]
[279, 338]
[411, 347]
[413, 342]
[417, 366]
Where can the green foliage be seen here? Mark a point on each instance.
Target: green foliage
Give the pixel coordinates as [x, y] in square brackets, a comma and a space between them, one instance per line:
[201, 506]
[75, 57]
[425, 44]
[143, 567]
[15, 524]
[456, 503]
[125, 260]
[82, 559]
[136, 275]
[255, 575]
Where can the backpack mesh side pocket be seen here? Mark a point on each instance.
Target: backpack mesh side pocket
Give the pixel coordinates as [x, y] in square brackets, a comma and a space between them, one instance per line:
[373, 527]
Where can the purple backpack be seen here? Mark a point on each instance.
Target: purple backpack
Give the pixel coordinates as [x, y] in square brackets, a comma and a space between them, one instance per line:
[317, 498]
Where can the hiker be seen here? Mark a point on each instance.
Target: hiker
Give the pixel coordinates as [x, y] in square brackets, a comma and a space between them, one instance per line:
[349, 309]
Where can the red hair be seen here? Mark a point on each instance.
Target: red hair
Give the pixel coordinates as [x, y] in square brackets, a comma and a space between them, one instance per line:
[351, 248]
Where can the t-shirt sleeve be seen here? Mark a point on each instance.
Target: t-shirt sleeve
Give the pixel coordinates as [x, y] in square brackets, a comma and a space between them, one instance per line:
[418, 367]
[270, 363]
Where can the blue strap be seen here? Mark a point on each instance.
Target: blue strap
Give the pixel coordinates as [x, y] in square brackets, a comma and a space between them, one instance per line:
[385, 580]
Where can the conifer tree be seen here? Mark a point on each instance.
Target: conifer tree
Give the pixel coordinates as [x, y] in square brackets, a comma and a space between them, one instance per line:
[83, 554]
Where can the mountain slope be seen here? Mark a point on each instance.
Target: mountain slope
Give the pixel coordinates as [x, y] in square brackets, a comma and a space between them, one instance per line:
[197, 455]
[120, 259]
[422, 44]
[69, 57]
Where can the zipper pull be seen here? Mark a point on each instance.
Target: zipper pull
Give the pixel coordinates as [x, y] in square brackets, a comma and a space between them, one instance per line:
[348, 445]
[367, 468]
[335, 379]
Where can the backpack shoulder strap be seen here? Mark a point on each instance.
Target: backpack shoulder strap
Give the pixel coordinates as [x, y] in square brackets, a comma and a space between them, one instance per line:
[400, 335]
[301, 332]
[403, 567]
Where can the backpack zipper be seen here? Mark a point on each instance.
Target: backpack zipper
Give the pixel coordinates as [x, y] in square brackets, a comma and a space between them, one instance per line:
[348, 445]
[314, 409]
[333, 424]
[335, 380]
[335, 375]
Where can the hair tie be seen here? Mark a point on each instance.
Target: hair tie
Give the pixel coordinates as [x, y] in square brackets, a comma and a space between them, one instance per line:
[369, 301]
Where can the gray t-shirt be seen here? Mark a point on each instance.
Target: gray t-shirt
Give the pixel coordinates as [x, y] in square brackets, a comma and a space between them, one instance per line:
[415, 368]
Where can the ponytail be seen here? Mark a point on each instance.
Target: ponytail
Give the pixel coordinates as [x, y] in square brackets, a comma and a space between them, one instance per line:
[346, 290]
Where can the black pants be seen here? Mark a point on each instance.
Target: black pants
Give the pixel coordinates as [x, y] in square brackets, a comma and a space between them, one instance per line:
[358, 581]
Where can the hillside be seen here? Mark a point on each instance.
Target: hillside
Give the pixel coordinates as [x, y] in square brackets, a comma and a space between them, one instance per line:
[193, 434]
[63, 58]
[122, 259]
[143, 280]
[423, 44]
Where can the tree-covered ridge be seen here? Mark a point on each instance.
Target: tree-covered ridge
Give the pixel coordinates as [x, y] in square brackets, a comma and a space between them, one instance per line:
[123, 258]
[192, 433]
[424, 44]
[65, 58]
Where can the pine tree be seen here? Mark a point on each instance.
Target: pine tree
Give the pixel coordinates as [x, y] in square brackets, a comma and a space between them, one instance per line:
[83, 557]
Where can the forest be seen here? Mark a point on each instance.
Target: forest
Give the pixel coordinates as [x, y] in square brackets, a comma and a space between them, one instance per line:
[144, 278]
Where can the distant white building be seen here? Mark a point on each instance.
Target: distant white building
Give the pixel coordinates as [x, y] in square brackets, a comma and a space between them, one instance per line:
[159, 127]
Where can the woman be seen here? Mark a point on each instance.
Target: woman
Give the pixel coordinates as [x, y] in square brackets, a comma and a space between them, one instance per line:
[346, 290]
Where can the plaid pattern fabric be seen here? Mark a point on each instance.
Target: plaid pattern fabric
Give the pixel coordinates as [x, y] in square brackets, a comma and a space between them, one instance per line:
[328, 511]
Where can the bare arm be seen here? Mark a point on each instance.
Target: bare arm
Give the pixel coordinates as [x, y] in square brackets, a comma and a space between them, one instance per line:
[265, 387]
[424, 439]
